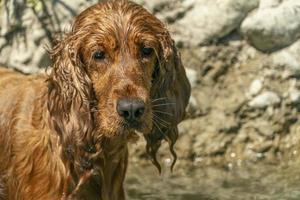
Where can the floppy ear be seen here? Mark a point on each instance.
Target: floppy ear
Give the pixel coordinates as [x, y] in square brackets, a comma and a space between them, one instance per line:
[170, 93]
[70, 99]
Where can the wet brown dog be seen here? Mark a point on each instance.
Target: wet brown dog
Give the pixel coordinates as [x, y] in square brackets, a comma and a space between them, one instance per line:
[64, 136]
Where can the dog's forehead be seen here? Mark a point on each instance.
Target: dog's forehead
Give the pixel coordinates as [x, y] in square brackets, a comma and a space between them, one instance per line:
[122, 17]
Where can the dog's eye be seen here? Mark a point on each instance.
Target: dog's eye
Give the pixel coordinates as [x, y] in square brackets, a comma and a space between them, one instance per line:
[146, 51]
[99, 55]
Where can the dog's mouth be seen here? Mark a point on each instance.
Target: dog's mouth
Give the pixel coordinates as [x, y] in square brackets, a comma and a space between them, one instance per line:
[133, 125]
[140, 126]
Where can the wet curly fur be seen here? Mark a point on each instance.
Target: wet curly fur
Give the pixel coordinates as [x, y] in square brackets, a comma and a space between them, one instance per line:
[60, 134]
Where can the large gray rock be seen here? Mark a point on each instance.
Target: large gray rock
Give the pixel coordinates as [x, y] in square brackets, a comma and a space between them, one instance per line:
[273, 27]
[210, 20]
[269, 3]
[288, 60]
[26, 28]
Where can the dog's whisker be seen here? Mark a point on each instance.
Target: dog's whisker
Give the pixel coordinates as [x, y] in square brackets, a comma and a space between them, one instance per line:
[162, 120]
[159, 129]
[162, 98]
[159, 111]
[154, 119]
[163, 104]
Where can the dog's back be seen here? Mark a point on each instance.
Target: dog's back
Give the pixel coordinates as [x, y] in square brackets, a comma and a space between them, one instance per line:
[18, 93]
[9, 96]
[26, 160]
[11, 85]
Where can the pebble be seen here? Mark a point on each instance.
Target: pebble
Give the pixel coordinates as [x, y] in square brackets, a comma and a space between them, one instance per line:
[255, 87]
[192, 76]
[294, 96]
[265, 99]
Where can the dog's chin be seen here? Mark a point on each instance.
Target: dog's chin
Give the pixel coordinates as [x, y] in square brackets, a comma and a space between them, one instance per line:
[120, 131]
[138, 128]
[123, 129]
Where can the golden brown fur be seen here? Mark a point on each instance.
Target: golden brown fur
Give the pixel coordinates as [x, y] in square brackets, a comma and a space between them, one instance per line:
[61, 136]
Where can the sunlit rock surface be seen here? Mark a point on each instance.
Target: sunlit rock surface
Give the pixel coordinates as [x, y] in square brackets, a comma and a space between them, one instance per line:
[273, 26]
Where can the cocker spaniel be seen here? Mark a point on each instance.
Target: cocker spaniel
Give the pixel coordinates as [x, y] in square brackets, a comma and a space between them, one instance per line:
[64, 135]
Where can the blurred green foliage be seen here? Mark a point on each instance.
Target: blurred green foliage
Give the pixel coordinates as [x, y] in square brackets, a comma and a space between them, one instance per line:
[37, 5]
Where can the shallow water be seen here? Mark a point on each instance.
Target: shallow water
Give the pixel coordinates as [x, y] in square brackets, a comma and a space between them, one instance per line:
[252, 182]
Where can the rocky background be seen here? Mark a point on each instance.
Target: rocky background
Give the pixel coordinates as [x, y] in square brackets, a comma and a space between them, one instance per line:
[242, 58]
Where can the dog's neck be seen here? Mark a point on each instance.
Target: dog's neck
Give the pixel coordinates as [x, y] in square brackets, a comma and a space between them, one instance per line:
[103, 177]
[106, 170]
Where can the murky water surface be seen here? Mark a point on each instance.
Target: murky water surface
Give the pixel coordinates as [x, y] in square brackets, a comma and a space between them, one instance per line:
[253, 182]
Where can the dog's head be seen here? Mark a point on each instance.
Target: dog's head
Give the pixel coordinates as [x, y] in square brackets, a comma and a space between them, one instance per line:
[117, 72]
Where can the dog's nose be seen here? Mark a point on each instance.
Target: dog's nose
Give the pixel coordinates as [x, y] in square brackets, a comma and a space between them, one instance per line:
[131, 109]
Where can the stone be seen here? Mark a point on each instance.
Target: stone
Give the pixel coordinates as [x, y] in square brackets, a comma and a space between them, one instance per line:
[193, 107]
[262, 147]
[273, 28]
[154, 5]
[192, 76]
[165, 10]
[269, 3]
[265, 99]
[294, 96]
[255, 87]
[210, 20]
[26, 33]
[288, 60]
